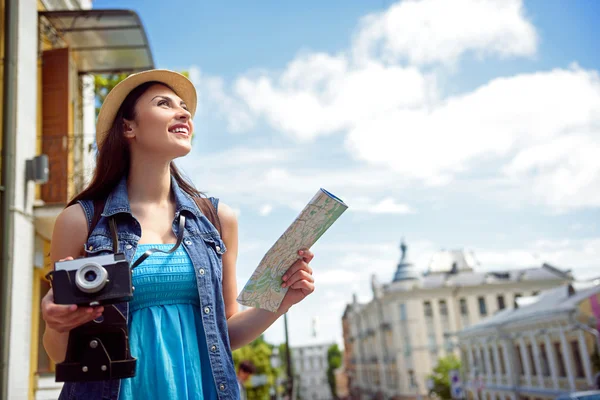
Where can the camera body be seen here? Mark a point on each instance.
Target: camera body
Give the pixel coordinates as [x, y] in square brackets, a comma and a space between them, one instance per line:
[97, 350]
[93, 281]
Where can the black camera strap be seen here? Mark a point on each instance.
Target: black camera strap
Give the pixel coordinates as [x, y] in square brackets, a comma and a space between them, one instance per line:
[113, 230]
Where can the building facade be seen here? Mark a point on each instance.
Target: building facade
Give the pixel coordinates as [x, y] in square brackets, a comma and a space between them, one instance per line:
[542, 348]
[310, 368]
[395, 340]
[48, 110]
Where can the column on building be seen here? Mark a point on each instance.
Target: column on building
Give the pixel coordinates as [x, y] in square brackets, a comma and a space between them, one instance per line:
[469, 348]
[567, 358]
[525, 359]
[508, 362]
[537, 359]
[583, 350]
[551, 360]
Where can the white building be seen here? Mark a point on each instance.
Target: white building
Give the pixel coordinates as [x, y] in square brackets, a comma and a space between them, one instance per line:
[310, 367]
[393, 342]
[48, 50]
[538, 350]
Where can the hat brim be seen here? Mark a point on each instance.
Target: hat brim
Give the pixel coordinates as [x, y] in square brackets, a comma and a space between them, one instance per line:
[181, 85]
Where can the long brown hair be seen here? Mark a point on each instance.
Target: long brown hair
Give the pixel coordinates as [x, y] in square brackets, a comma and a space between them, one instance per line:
[112, 161]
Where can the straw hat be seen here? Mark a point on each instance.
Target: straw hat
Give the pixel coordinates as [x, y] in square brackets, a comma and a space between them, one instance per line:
[181, 85]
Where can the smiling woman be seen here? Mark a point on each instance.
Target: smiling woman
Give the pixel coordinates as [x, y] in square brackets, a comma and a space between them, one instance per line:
[183, 320]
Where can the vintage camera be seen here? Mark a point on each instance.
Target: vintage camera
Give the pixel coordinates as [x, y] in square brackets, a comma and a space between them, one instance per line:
[99, 349]
[93, 281]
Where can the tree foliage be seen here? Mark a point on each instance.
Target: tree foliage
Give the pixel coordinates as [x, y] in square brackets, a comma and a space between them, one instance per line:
[259, 353]
[334, 361]
[103, 84]
[441, 376]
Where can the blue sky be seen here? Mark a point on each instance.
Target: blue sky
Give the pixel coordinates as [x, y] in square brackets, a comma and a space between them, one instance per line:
[472, 127]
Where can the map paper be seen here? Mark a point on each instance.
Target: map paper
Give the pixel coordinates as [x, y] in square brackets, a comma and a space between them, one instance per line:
[263, 289]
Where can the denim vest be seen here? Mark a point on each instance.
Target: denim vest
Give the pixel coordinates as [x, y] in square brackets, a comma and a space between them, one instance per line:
[205, 248]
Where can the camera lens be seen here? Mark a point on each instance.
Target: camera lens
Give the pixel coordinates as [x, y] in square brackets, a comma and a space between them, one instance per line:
[91, 278]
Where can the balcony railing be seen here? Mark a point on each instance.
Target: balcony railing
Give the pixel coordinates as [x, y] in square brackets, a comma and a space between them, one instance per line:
[66, 167]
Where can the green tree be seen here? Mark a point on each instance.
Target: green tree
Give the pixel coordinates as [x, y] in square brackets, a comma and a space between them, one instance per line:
[334, 361]
[441, 376]
[259, 353]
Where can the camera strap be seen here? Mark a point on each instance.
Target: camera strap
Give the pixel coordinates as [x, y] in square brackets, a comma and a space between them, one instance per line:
[149, 252]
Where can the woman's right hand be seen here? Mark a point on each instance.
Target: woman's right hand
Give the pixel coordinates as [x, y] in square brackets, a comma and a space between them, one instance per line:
[61, 317]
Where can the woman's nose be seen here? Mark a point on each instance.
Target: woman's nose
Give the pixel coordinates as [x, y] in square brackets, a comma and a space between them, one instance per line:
[184, 114]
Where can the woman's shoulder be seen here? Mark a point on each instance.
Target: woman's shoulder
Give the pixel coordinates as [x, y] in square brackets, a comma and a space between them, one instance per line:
[70, 233]
[226, 213]
[72, 219]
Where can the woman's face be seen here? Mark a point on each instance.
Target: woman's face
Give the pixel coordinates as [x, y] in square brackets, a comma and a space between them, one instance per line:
[162, 124]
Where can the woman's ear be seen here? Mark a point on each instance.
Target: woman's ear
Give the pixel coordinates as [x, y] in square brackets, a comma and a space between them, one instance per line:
[129, 128]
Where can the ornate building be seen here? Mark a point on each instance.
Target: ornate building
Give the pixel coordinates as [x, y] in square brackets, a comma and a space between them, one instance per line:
[540, 349]
[393, 342]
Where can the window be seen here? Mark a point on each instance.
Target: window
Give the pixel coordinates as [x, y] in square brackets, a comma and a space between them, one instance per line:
[483, 363]
[403, 315]
[443, 308]
[560, 359]
[544, 360]
[492, 360]
[482, 306]
[501, 305]
[577, 359]
[501, 358]
[521, 370]
[428, 309]
[476, 358]
[463, 307]
[432, 341]
[531, 360]
[517, 295]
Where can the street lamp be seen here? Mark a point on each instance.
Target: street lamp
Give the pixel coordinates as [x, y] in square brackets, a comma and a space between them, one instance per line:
[290, 380]
[275, 364]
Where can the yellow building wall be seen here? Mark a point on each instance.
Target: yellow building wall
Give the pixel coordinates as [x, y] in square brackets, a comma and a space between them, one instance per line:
[1, 72]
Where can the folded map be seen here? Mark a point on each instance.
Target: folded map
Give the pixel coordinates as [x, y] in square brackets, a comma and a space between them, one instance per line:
[263, 289]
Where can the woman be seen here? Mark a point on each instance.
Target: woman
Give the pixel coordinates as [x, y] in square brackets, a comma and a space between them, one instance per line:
[183, 320]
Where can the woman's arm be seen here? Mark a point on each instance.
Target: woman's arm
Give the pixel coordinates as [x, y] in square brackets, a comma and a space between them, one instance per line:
[68, 239]
[249, 324]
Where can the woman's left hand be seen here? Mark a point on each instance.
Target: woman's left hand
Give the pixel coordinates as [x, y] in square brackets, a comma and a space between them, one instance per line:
[299, 281]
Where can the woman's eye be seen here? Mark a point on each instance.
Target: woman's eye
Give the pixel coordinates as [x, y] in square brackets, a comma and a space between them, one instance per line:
[162, 103]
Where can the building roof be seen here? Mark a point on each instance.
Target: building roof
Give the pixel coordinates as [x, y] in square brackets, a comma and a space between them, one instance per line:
[553, 301]
[468, 278]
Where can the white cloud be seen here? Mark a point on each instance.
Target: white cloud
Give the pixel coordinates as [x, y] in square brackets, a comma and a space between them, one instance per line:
[385, 206]
[282, 177]
[213, 97]
[579, 255]
[440, 31]
[335, 277]
[506, 116]
[538, 133]
[319, 94]
[265, 210]
[565, 171]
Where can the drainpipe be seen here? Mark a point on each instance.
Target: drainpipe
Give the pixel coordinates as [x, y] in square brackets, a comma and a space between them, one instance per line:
[11, 15]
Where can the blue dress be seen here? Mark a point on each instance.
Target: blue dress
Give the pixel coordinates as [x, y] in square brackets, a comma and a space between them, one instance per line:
[166, 334]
